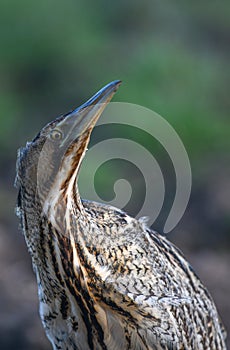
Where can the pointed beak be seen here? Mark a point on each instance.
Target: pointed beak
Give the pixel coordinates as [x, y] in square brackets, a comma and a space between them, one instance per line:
[84, 118]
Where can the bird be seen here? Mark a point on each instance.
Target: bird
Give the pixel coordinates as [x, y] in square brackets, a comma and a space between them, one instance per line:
[106, 281]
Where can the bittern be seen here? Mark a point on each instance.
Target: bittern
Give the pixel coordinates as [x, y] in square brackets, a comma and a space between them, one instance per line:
[105, 279]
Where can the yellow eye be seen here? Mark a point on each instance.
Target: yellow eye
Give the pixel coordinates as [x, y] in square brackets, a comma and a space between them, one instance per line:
[56, 135]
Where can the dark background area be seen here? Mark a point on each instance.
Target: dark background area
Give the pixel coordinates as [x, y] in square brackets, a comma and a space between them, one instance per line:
[173, 58]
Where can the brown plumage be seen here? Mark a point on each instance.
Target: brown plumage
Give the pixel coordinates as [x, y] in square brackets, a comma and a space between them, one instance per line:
[105, 280]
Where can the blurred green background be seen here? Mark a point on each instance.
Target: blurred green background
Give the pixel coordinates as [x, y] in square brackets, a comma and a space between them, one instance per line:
[173, 58]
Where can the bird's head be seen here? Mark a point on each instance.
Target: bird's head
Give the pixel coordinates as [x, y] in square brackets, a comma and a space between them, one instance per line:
[50, 163]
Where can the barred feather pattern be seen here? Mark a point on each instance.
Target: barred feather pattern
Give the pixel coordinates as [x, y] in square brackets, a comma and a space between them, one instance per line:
[106, 281]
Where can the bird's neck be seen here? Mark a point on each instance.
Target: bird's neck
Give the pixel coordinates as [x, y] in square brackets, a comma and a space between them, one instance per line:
[57, 227]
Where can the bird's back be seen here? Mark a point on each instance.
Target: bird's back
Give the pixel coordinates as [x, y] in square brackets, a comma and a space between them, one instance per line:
[146, 284]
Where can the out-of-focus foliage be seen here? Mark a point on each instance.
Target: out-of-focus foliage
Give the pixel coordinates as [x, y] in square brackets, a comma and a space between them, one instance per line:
[173, 57]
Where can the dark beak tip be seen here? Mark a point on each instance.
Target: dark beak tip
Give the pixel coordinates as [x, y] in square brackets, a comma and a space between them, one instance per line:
[117, 84]
[98, 99]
